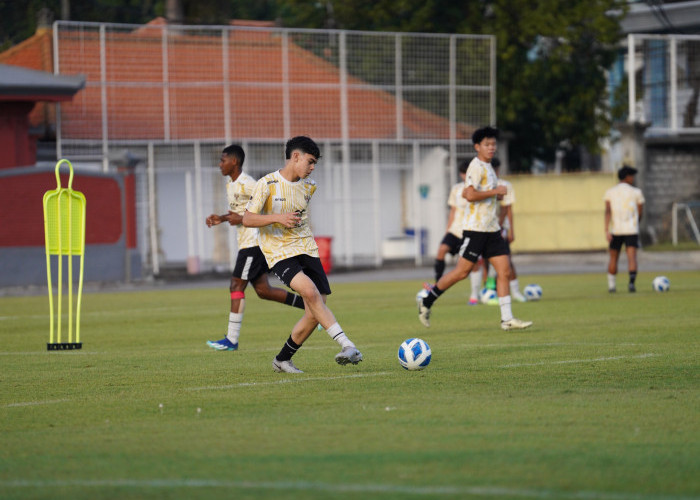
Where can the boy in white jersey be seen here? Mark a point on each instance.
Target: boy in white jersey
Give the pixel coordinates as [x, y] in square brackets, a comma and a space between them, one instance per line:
[624, 205]
[505, 220]
[250, 262]
[279, 208]
[482, 233]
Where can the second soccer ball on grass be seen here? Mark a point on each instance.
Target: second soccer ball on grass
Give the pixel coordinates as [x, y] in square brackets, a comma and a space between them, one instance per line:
[533, 292]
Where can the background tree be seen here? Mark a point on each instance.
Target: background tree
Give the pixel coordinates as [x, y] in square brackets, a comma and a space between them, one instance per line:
[552, 56]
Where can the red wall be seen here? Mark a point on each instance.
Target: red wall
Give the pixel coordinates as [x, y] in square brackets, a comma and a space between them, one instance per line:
[17, 146]
[22, 209]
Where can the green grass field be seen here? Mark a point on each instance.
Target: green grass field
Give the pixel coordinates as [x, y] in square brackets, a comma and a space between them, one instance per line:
[600, 399]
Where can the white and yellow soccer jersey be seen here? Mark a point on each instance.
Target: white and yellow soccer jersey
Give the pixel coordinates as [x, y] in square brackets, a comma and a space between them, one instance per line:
[238, 193]
[508, 199]
[459, 203]
[481, 215]
[624, 200]
[274, 194]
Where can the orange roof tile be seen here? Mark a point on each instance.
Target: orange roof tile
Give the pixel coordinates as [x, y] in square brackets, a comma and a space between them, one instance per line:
[136, 101]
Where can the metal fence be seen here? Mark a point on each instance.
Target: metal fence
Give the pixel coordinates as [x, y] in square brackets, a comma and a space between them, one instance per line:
[663, 79]
[393, 113]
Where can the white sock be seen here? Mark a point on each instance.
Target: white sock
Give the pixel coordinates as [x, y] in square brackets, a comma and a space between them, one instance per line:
[492, 272]
[506, 312]
[514, 287]
[234, 327]
[475, 279]
[337, 334]
[611, 281]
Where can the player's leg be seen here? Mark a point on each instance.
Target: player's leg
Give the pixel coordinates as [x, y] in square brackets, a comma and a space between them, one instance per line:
[496, 252]
[514, 284]
[439, 265]
[614, 252]
[313, 288]
[235, 317]
[475, 282]
[631, 248]
[469, 253]
[313, 271]
[266, 291]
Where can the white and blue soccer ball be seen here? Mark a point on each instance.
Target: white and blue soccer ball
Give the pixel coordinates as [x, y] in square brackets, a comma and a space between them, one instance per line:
[533, 292]
[661, 284]
[486, 295]
[423, 293]
[414, 354]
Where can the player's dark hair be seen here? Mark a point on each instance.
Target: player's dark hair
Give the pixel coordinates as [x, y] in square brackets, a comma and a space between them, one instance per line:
[495, 162]
[235, 151]
[304, 144]
[483, 133]
[463, 167]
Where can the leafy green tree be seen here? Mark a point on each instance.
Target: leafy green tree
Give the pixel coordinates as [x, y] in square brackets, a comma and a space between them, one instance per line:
[551, 58]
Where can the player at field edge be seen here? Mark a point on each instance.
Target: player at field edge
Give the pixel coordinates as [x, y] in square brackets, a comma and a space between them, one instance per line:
[624, 205]
[482, 233]
[250, 262]
[279, 209]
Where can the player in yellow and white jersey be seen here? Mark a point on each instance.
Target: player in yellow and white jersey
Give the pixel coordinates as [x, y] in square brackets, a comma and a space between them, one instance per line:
[250, 262]
[482, 233]
[624, 206]
[279, 208]
[505, 220]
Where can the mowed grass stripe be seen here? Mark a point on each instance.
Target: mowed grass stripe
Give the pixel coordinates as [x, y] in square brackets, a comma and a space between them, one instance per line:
[287, 486]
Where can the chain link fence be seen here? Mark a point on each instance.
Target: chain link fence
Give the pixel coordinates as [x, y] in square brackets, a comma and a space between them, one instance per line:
[392, 112]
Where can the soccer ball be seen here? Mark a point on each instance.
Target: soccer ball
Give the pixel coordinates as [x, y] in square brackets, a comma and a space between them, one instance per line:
[423, 293]
[661, 284]
[533, 292]
[487, 295]
[414, 354]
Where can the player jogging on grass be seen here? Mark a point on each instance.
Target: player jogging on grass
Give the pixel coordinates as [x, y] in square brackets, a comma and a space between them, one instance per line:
[482, 233]
[279, 208]
[250, 262]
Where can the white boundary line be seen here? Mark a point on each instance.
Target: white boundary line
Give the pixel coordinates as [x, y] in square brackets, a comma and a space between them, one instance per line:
[567, 361]
[460, 491]
[285, 381]
[35, 403]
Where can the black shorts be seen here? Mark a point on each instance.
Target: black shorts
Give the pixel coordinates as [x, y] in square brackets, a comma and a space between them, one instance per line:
[286, 269]
[630, 240]
[453, 242]
[250, 264]
[478, 243]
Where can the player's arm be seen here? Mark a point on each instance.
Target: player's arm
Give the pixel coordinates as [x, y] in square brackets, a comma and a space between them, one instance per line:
[608, 215]
[451, 217]
[234, 219]
[473, 195]
[640, 210]
[507, 213]
[215, 220]
[288, 219]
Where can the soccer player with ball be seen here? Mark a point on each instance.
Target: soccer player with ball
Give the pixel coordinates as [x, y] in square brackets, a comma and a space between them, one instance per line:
[279, 208]
[482, 233]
